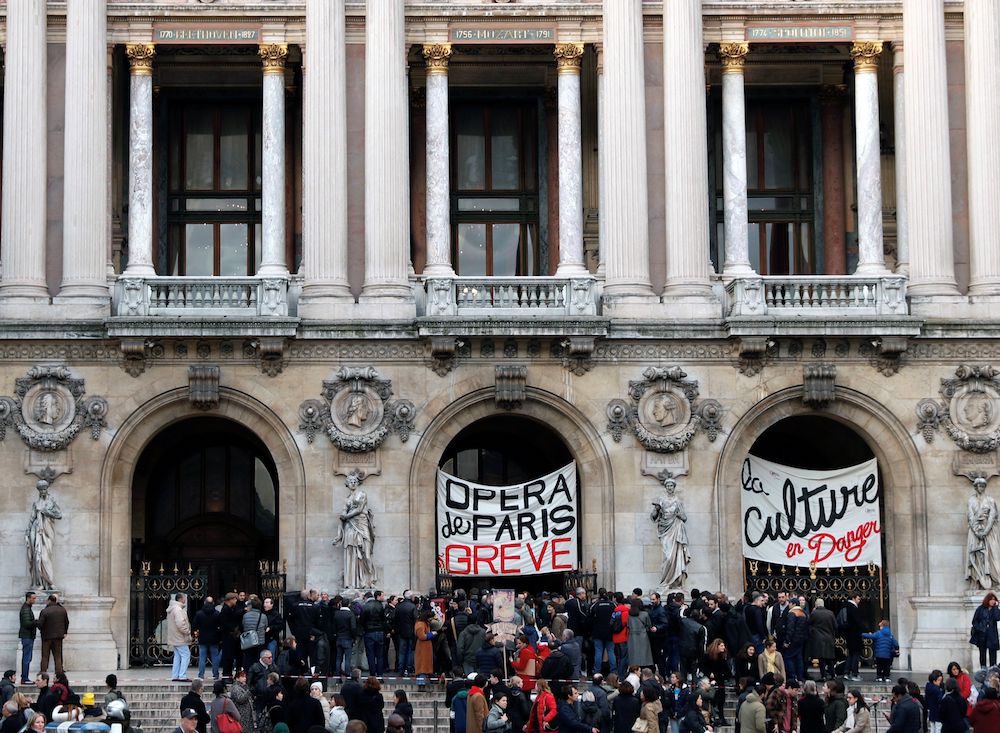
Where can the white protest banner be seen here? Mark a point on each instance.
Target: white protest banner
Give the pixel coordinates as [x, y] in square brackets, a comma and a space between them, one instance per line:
[792, 516]
[523, 529]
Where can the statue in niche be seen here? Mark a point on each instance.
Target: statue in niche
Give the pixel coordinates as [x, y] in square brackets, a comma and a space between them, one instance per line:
[357, 535]
[670, 518]
[983, 563]
[40, 537]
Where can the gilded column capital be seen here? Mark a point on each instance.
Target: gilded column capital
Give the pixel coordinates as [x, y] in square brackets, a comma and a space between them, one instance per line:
[733, 54]
[866, 55]
[436, 55]
[273, 57]
[568, 57]
[140, 58]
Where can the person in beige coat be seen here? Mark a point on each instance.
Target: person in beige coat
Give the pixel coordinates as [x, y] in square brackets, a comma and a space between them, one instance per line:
[770, 660]
[179, 636]
[752, 714]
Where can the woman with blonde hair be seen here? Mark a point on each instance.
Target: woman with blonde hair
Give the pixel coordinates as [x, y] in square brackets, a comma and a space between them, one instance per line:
[770, 660]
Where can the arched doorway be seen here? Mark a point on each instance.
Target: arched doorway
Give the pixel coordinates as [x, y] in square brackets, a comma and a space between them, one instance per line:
[503, 450]
[205, 495]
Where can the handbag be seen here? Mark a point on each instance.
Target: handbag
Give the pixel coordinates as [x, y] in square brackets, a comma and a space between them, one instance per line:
[249, 639]
[640, 726]
[226, 723]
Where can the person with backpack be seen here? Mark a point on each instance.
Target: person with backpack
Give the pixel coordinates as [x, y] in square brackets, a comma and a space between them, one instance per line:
[693, 640]
[601, 633]
[619, 632]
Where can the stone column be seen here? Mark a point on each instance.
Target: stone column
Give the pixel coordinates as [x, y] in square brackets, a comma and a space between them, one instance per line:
[438, 166]
[899, 120]
[834, 212]
[685, 149]
[22, 249]
[324, 162]
[928, 175]
[602, 187]
[871, 258]
[568, 58]
[982, 90]
[140, 160]
[387, 189]
[85, 169]
[624, 196]
[272, 261]
[734, 156]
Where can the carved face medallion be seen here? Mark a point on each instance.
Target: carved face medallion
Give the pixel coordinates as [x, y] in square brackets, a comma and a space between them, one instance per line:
[976, 408]
[48, 408]
[664, 411]
[358, 410]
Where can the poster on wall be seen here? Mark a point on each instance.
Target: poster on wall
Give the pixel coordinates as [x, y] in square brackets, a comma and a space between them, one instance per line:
[524, 529]
[792, 516]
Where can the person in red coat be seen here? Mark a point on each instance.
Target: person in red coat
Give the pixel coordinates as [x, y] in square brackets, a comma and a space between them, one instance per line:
[525, 661]
[960, 676]
[985, 715]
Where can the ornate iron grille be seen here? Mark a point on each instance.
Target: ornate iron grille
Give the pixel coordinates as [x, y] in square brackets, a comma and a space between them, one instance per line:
[150, 595]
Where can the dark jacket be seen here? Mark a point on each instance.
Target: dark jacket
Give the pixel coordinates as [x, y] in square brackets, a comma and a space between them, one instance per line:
[626, 709]
[257, 676]
[906, 717]
[206, 623]
[302, 712]
[576, 616]
[406, 617]
[823, 623]
[28, 628]
[836, 712]
[303, 620]
[372, 707]
[193, 700]
[811, 719]
[932, 696]
[230, 621]
[600, 619]
[692, 722]
[487, 659]
[372, 617]
[518, 709]
[53, 621]
[796, 631]
[568, 720]
[984, 627]
[343, 624]
[855, 628]
[351, 690]
[953, 707]
[754, 616]
[884, 644]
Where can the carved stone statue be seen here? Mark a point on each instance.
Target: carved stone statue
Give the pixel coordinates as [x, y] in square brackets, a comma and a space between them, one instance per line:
[40, 537]
[357, 535]
[670, 518]
[983, 561]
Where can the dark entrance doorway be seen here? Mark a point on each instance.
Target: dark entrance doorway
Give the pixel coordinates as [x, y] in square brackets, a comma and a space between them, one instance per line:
[500, 451]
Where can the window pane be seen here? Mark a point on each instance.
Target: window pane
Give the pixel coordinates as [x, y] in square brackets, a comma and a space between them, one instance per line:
[470, 151]
[257, 156]
[505, 240]
[233, 249]
[216, 204]
[174, 251]
[753, 173]
[488, 205]
[505, 150]
[199, 152]
[778, 140]
[199, 250]
[264, 484]
[529, 251]
[233, 161]
[753, 233]
[471, 249]
[256, 247]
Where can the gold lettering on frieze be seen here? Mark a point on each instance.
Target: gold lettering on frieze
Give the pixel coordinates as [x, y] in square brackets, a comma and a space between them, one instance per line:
[493, 33]
[174, 33]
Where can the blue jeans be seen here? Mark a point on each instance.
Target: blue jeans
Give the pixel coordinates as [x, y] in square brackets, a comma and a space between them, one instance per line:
[374, 649]
[404, 661]
[600, 646]
[853, 664]
[342, 662]
[794, 666]
[206, 653]
[182, 658]
[27, 649]
[622, 660]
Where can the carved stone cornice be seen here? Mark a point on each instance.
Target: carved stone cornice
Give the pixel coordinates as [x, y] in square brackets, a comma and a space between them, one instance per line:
[436, 55]
[140, 58]
[733, 55]
[866, 55]
[569, 57]
[273, 57]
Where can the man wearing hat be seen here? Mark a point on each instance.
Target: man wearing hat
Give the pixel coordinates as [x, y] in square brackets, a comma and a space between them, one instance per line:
[189, 721]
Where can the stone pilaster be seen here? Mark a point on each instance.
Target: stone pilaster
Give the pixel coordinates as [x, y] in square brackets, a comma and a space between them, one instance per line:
[624, 215]
[899, 122]
[272, 261]
[324, 162]
[982, 90]
[387, 197]
[438, 165]
[871, 259]
[568, 58]
[928, 175]
[22, 232]
[734, 158]
[140, 160]
[688, 290]
[85, 211]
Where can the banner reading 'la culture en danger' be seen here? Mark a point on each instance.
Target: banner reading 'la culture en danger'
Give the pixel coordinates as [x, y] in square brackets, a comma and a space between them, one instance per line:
[523, 529]
[792, 516]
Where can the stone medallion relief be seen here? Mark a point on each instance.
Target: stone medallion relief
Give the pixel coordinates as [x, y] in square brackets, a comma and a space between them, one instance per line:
[48, 409]
[969, 411]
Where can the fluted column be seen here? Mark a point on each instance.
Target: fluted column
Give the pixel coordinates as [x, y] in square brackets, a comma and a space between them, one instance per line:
[834, 212]
[272, 261]
[734, 158]
[928, 175]
[899, 122]
[871, 257]
[625, 210]
[387, 226]
[85, 169]
[324, 161]
[438, 167]
[982, 90]
[685, 150]
[22, 232]
[568, 58]
[140, 159]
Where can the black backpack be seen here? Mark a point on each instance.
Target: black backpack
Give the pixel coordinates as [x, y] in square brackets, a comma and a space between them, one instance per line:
[842, 620]
[617, 622]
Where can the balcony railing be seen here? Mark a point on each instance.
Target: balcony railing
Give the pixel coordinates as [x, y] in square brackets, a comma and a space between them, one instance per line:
[202, 296]
[816, 296]
[511, 296]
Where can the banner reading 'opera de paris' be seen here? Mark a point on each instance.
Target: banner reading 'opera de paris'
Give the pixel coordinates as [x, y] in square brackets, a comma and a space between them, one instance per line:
[792, 516]
[523, 529]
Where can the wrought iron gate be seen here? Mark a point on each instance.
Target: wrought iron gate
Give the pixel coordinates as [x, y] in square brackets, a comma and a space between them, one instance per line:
[151, 591]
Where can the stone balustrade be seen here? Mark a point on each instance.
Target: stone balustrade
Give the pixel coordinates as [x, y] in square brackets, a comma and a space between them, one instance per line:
[483, 296]
[202, 296]
[822, 296]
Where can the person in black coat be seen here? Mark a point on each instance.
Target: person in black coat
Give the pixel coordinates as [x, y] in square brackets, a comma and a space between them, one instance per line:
[303, 710]
[984, 629]
[230, 626]
[625, 708]
[209, 635]
[371, 706]
[852, 637]
[403, 625]
[518, 704]
[907, 715]
[953, 708]
[567, 718]
[812, 709]
[193, 700]
[694, 719]
[351, 690]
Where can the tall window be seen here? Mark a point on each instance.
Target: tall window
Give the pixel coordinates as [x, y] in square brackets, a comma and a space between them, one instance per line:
[494, 201]
[780, 192]
[214, 189]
